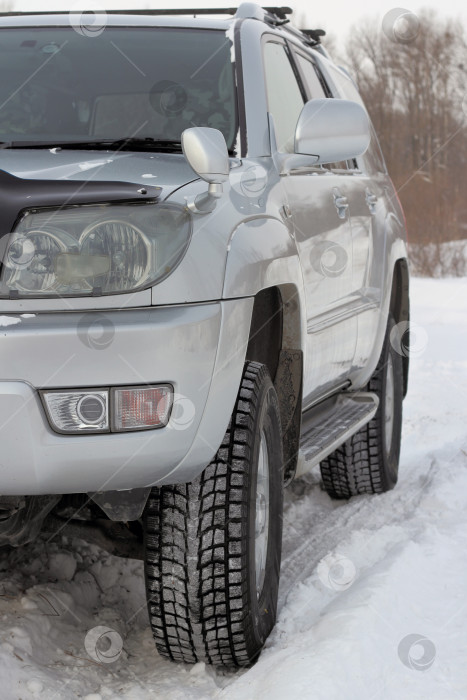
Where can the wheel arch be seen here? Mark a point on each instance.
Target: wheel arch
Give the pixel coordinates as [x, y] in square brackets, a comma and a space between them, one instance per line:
[399, 308]
[263, 263]
[275, 340]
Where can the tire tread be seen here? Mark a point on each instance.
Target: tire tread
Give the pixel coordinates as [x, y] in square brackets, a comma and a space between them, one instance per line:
[356, 467]
[196, 566]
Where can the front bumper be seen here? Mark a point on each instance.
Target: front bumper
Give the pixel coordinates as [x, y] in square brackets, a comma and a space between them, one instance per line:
[200, 350]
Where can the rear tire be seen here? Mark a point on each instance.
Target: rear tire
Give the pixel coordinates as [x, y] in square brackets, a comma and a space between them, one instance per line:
[212, 543]
[369, 461]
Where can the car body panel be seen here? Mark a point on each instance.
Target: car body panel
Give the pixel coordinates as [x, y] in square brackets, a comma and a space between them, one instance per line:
[168, 171]
[324, 242]
[268, 229]
[199, 350]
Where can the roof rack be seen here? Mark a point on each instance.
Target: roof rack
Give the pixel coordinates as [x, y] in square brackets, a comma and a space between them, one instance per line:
[272, 15]
[314, 34]
[280, 12]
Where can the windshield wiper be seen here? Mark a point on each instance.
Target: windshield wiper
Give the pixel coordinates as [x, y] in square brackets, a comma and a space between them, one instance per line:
[124, 144]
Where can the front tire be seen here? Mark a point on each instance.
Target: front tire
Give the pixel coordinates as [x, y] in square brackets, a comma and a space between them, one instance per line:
[213, 547]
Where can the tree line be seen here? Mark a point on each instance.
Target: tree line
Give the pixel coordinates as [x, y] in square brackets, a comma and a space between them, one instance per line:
[412, 77]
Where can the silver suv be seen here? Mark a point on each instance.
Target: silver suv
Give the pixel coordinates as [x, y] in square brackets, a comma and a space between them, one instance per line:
[203, 295]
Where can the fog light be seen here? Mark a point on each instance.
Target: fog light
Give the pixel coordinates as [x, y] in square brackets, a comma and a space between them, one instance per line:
[91, 409]
[141, 408]
[83, 411]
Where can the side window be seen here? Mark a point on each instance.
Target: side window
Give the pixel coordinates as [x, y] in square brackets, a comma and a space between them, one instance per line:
[317, 88]
[285, 99]
[372, 161]
[311, 77]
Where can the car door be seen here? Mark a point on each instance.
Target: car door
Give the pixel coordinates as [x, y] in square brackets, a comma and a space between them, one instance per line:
[317, 199]
[368, 210]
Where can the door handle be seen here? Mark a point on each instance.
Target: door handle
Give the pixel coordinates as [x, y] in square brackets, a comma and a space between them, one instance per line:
[371, 200]
[342, 204]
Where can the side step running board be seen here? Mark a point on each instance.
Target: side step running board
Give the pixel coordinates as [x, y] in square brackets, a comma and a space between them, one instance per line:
[329, 430]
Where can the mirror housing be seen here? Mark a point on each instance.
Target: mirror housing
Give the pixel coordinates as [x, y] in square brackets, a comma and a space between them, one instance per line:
[332, 130]
[206, 151]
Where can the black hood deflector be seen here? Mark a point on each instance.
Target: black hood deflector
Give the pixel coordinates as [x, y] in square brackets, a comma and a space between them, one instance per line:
[18, 194]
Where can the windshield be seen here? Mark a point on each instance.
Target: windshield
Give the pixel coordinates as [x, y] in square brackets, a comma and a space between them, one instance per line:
[138, 82]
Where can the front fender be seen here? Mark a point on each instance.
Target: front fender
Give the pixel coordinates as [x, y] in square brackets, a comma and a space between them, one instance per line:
[262, 253]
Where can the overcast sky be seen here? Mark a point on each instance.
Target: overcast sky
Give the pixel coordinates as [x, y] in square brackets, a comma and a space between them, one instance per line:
[335, 16]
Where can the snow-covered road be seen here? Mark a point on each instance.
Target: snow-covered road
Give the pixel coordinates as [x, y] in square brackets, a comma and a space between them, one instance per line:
[373, 601]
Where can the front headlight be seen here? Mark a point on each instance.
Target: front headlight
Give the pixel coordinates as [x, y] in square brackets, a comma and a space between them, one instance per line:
[94, 249]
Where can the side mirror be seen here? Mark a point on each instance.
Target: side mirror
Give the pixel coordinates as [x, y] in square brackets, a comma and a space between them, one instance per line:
[332, 130]
[206, 152]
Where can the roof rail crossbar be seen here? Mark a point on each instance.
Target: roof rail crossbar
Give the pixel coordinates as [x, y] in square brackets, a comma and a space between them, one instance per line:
[312, 37]
[314, 34]
[204, 11]
[277, 15]
[280, 12]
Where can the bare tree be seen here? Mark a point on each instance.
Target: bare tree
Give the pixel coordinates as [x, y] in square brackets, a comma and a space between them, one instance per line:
[416, 95]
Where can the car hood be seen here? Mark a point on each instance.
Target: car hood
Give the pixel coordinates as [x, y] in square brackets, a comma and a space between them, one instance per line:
[166, 170]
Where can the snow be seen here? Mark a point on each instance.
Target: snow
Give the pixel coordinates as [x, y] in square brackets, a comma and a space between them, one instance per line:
[9, 321]
[373, 601]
